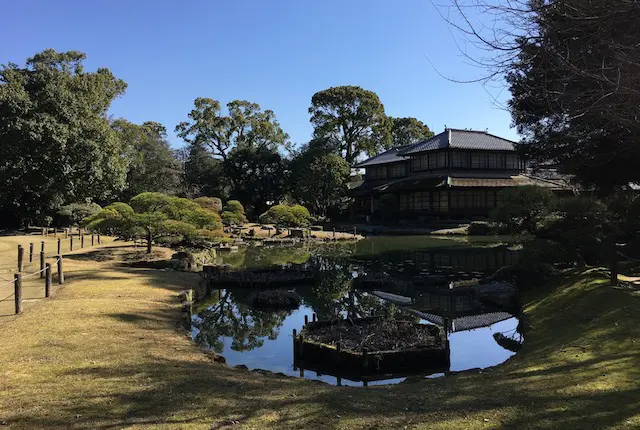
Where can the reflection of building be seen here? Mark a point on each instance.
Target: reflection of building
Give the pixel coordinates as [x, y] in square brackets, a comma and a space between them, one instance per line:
[464, 259]
[457, 172]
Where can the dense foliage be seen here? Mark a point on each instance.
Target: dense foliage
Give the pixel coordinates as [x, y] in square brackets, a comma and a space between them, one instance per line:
[152, 165]
[152, 215]
[351, 118]
[405, 131]
[61, 148]
[73, 213]
[319, 179]
[233, 213]
[286, 216]
[523, 208]
[57, 144]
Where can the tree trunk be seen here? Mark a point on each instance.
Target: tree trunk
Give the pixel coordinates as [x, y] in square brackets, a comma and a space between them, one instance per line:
[148, 241]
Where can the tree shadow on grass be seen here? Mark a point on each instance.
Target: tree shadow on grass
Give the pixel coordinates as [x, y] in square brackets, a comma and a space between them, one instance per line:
[550, 386]
[183, 392]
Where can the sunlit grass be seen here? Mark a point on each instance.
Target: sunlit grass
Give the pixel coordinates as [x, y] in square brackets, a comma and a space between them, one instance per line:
[108, 351]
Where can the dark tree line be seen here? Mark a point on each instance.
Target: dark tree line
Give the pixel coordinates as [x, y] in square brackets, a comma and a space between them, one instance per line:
[62, 153]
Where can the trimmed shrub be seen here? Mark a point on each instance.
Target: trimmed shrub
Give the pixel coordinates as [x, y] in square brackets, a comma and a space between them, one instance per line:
[286, 216]
[522, 209]
[300, 214]
[236, 208]
[230, 218]
[213, 204]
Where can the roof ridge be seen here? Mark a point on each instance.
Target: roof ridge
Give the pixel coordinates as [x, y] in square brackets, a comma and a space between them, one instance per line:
[483, 132]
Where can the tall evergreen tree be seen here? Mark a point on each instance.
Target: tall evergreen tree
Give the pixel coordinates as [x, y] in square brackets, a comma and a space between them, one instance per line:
[57, 144]
[353, 119]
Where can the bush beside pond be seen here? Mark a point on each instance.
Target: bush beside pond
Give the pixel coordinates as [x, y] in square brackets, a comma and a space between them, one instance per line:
[286, 216]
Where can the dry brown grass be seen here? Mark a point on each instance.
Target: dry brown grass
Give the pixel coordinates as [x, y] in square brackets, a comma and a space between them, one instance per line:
[107, 352]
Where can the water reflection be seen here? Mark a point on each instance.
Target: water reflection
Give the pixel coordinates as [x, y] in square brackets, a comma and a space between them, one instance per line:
[262, 339]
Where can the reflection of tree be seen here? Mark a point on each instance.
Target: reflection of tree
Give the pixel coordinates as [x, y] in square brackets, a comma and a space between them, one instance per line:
[232, 317]
[234, 259]
[257, 256]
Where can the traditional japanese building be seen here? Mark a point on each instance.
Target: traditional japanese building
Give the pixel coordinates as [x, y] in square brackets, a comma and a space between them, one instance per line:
[454, 173]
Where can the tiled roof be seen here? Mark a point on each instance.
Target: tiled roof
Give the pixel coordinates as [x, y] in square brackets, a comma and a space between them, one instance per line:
[461, 139]
[389, 156]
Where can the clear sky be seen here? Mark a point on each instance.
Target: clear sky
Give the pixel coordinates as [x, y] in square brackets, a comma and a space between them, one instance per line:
[276, 53]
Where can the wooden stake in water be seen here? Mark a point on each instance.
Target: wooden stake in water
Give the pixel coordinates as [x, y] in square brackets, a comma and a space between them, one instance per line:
[31, 252]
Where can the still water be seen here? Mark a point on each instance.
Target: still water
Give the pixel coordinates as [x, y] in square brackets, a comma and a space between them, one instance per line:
[259, 339]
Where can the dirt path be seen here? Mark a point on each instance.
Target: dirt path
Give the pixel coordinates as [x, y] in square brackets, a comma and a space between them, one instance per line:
[107, 352]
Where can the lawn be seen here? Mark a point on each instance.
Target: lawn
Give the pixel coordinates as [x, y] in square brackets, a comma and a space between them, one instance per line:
[107, 351]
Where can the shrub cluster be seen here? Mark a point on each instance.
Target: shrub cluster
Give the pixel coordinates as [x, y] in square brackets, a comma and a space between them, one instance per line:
[153, 215]
[286, 216]
[233, 213]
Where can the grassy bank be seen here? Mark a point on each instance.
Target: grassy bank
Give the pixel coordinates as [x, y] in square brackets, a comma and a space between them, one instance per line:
[107, 351]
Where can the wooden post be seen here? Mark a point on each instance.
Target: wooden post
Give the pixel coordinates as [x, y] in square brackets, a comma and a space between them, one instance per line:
[81, 241]
[66, 233]
[59, 246]
[47, 281]
[17, 284]
[300, 344]
[41, 264]
[295, 334]
[314, 318]
[60, 271]
[365, 359]
[306, 320]
[20, 258]
[79, 231]
[30, 252]
[42, 246]
[42, 232]
[92, 240]
[99, 238]
[71, 243]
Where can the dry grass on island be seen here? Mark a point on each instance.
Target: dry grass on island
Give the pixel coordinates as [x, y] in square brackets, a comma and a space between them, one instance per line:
[266, 231]
[108, 351]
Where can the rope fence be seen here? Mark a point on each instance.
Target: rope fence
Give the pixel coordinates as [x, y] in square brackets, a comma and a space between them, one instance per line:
[34, 258]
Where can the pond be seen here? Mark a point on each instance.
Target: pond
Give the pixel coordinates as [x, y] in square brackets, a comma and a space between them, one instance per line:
[227, 324]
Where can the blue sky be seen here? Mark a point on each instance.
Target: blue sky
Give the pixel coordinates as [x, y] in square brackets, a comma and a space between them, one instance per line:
[275, 53]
